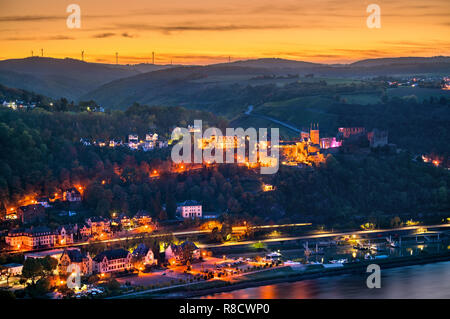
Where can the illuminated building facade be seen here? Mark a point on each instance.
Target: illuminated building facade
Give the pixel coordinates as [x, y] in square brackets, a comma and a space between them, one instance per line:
[72, 195]
[190, 209]
[346, 132]
[133, 141]
[306, 151]
[114, 260]
[314, 134]
[99, 225]
[218, 142]
[142, 217]
[38, 237]
[329, 142]
[75, 256]
[64, 235]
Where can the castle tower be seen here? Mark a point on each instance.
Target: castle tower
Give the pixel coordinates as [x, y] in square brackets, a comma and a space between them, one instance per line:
[314, 134]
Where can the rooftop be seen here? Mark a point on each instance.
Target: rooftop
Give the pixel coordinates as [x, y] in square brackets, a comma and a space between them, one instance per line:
[111, 255]
[189, 202]
[12, 265]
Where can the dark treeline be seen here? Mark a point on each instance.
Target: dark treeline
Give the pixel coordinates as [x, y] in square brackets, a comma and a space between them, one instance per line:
[349, 189]
[41, 153]
[417, 126]
[346, 191]
[12, 94]
[41, 150]
[413, 125]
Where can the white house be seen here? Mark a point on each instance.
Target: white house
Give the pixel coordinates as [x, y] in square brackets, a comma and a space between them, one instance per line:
[151, 137]
[133, 141]
[190, 209]
[145, 254]
[174, 253]
[13, 269]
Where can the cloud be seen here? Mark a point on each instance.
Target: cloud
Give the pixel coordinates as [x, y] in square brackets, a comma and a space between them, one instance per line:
[60, 37]
[431, 44]
[113, 34]
[103, 35]
[29, 18]
[190, 26]
[127, 35]
[55, 37]
[270, 8]
[37, 18]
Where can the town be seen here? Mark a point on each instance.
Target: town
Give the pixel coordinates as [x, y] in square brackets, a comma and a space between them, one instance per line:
[139, 254]
[151, 141]
[244, 151]
[307, 150]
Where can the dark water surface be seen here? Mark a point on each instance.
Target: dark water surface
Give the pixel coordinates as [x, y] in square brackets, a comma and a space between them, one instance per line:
[420, 281]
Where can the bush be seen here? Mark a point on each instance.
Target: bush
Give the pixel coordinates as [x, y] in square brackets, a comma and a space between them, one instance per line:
[39, 289]
[113, 285]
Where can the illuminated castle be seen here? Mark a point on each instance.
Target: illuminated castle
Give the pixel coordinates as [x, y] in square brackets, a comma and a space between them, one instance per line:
[306, 151]
[314, 134]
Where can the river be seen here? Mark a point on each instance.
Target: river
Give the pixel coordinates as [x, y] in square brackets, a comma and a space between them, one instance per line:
[419, 281]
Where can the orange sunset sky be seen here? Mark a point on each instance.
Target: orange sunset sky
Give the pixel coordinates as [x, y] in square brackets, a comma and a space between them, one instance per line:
[208, 31]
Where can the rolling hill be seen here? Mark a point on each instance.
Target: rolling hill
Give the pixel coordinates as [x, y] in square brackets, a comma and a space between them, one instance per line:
[277, 64]
[177, 86]
[211, 86]
[203, 85]
[67, 78]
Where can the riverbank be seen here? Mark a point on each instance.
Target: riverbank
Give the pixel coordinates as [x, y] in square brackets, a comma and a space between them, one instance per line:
[276, 276]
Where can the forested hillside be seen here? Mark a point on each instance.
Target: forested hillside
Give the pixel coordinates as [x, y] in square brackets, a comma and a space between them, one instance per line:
[41, 150]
